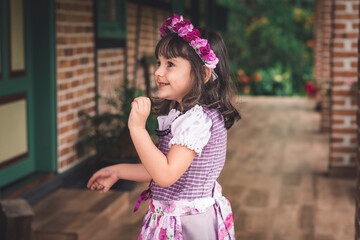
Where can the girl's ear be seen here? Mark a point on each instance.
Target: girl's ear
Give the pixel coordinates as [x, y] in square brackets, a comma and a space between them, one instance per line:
[207, 74]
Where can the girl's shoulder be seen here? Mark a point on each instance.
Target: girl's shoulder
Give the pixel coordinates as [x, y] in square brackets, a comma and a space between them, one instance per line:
[196, 114]
[192, 129]
[199, 112]
[214, 114]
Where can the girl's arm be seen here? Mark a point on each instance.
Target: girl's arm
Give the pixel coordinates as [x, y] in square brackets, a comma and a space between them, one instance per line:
[165, 170]
[133, 172]
[106, 177]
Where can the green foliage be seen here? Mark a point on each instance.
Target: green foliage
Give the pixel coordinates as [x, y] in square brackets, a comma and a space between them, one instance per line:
[275, 81]
[108, 132]
[266, 36]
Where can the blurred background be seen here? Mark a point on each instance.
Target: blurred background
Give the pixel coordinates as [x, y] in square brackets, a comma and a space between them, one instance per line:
[69, 70]
[271, 46]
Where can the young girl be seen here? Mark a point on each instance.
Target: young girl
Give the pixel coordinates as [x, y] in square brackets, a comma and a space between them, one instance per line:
[193, 81]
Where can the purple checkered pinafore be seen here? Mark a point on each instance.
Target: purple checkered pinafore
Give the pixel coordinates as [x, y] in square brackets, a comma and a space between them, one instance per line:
[195, 192]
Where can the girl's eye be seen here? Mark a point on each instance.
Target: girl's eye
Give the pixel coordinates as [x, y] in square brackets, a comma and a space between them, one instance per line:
[170, 64]
[158, 63]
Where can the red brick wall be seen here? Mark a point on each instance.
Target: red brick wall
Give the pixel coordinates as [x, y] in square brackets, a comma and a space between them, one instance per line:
[111, 65]
[75, 74]
[75, 66]
[344, 53]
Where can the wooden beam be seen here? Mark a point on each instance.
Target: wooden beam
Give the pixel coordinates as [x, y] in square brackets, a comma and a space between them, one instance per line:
[15, 219]
[154, 3]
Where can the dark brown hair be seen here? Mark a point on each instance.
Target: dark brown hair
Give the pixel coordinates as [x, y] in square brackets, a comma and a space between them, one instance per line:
[212, 94]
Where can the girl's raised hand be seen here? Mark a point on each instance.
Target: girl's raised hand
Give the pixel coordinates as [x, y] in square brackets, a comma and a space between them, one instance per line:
[103, 179]
[140, 110]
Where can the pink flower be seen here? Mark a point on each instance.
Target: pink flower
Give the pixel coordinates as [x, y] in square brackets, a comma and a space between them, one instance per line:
[229, 221]
[181, 24]
[223, 234]
[190, 210]
[175, 19]
[211, 60]
[183, 28]
[165, 27]
[198, 42]
[168, 207]
[162, 234]
[204, 51]
[195, 33]
[183, 31]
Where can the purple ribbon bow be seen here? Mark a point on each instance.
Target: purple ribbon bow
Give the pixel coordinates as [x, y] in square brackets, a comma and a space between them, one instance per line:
[143, 197]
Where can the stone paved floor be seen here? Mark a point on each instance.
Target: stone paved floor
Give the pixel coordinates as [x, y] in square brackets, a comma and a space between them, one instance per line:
[275, 178]
[275, 175]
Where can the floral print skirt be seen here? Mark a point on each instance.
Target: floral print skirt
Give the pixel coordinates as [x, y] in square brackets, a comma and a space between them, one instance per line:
[163, 220]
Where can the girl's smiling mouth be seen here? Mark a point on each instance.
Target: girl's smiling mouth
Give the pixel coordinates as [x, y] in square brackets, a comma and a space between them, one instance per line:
[161, 84]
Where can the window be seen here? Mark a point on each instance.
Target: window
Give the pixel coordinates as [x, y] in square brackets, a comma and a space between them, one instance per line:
[111, 23]
[17, 38]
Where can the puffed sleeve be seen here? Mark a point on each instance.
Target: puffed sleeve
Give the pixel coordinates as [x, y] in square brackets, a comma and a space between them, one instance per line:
[192, 129]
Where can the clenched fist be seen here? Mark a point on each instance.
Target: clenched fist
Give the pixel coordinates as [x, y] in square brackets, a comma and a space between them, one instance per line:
[140, 111]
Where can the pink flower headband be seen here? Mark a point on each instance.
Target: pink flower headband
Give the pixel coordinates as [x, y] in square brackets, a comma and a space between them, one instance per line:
[184, 28]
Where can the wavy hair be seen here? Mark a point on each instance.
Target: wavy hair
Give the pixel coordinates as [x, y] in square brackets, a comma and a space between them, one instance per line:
[212, 94]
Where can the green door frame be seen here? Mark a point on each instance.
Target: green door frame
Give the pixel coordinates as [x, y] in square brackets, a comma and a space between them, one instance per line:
[39, 85]
[45, 89]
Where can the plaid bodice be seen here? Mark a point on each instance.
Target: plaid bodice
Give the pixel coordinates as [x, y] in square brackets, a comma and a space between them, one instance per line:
[198, 180]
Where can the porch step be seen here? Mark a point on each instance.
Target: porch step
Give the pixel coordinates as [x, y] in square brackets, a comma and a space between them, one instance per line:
[76, 214]
[127, 225]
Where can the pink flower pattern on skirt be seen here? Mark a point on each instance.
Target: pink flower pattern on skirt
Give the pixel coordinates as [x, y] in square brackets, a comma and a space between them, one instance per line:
[162, 235]
[229, 221]
[162, 221]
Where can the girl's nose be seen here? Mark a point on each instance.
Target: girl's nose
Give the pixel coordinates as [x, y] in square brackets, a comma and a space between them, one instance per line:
[159, 72]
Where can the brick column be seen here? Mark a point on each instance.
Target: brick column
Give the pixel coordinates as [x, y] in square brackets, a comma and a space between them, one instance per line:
[325, 70]
[323, 31]
[357, 193]
[343, 75]
[318, 23]
[75, 74]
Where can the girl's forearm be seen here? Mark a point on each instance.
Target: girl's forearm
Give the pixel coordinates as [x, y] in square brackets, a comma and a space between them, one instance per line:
[164, 169]
[133, 172]
[154, 161]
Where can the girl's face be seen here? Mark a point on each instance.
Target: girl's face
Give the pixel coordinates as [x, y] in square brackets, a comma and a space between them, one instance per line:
[173, 78]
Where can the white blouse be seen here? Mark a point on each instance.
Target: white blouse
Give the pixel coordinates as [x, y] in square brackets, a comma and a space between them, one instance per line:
[192, 129]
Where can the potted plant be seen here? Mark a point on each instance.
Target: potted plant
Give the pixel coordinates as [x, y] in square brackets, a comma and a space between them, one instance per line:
[109, 135]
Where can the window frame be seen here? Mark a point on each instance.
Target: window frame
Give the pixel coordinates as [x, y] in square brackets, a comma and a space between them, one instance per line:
[17, 73]
[110, 34]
